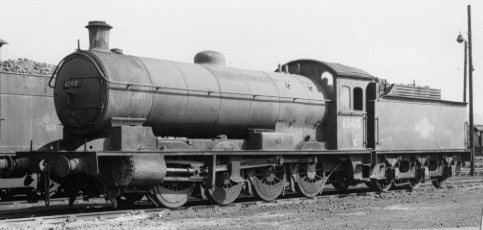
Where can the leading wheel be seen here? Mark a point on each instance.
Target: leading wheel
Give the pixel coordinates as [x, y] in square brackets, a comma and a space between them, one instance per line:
[311, 179]
[268, 182]
[172, 194]
[225, 191]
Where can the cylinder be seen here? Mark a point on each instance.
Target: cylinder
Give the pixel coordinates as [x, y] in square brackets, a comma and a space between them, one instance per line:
[138, 170]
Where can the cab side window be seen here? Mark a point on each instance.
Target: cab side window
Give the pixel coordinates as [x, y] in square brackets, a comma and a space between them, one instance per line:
[358, 99]
[344, 98]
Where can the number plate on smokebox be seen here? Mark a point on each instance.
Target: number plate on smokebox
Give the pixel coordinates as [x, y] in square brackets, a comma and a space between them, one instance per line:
[73, 83]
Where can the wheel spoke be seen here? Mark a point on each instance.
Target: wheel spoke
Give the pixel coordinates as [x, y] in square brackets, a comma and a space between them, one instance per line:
[225, 191]
[268, 182]
[319, 177]
[306, 185]
[172, 194]
[381, 185]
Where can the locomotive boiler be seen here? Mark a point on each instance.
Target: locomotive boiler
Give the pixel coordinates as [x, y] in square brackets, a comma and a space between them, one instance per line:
[96, 89]
[172, 130]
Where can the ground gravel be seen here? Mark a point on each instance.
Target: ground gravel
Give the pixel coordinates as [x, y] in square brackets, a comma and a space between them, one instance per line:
[455, 206]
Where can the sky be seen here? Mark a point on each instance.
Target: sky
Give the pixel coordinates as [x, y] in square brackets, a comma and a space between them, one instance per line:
[400, 41]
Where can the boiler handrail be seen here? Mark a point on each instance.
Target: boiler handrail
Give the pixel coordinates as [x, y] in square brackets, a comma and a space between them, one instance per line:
[157, 87]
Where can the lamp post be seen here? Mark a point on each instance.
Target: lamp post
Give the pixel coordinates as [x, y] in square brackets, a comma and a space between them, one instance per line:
[468, 45]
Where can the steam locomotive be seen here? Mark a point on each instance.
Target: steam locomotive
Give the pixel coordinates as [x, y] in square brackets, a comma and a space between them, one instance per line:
[169, 130]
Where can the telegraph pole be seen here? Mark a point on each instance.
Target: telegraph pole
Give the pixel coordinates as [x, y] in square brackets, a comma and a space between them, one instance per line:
[470, 76]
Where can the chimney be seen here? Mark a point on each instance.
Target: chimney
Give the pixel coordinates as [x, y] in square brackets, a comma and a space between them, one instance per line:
[98, 35]
[2, 42]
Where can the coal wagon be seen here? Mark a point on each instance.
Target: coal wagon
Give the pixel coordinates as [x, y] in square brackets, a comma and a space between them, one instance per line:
[28, 122]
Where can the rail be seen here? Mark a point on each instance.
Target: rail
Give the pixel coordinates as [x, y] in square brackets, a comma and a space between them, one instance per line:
[22, 217]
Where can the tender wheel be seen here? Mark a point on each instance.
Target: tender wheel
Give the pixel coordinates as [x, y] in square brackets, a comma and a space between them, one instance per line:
[172, 194]
[311, 179]
[381, 185]
[439, 182]
[126, 201]
[414, 184]
[269, 183]
[342, 181]
[225, 191]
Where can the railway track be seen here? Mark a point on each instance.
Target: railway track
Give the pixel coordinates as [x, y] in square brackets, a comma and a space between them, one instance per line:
[94, 210]
[21, 202]
[467, 170]
[41, 203]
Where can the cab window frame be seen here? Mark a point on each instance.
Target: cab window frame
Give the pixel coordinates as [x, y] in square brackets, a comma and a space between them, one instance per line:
[345, 99]
[358, 99]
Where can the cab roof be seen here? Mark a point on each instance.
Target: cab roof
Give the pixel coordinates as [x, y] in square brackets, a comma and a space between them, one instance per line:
[338, 69]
